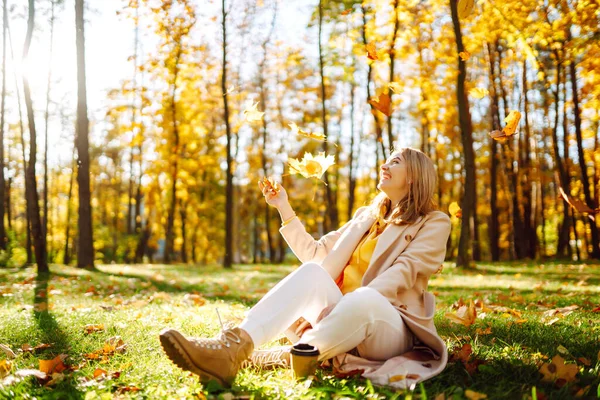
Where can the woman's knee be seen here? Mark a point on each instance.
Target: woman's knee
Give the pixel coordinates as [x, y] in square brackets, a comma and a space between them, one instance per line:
[365, 300]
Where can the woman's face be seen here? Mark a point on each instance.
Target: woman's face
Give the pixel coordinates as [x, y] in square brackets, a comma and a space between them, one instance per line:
[393, 178]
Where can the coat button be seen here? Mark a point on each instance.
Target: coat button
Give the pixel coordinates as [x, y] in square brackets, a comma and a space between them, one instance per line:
[408, 238]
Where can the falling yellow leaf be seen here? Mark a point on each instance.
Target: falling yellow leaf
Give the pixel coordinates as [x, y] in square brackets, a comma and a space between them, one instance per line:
[383, 104]
[252, 114]
[465, 315]
[512, 123]
[372, 52]
[395, 87]
[455, 210]
[464, 8]
[298, 131]
[471, 395]
[464, 55]
[311, 166]
[557, 370]
[479, 93]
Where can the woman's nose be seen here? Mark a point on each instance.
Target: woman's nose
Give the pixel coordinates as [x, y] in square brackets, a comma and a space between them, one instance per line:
[384, 166]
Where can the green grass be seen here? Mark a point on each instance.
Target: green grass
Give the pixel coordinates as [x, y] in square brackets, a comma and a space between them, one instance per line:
[136, 302]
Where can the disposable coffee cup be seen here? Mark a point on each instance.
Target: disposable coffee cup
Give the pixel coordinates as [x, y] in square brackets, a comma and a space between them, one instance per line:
[304, 360]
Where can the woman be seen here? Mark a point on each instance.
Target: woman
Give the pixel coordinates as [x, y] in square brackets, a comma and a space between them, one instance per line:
[362, 288]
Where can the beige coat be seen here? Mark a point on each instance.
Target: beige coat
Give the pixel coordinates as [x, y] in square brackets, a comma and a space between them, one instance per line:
[403, 260]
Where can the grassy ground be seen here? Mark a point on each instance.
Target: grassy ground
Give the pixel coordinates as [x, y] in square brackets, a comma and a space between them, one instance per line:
[515, 333]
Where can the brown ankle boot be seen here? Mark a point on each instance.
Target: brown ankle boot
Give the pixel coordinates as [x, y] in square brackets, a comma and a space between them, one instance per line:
[276, 357]
[218, 359]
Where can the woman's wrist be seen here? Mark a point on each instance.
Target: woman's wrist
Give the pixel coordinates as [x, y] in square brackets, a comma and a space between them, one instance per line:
[286, 212]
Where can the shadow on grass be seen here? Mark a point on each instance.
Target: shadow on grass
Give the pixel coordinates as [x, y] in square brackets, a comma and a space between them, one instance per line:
[51, 332]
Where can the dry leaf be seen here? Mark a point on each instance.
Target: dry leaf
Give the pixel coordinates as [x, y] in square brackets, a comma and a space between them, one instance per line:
[56, 378]
[558, 370]
[252, 114]
[311, 166]
[54, 365]
[512, 123]
[471, 395]
[486, 331]
[584, 361]
[464, 55]
[311, 135]
[196, 299]
[90, 328]
[99, 372]
[455, 210]
[382, 104]
[479, 93]
[372, 52]
[580, 207]
[465, 315]
[464, 8]
[7, 350]
[5, 367]
[114, 345]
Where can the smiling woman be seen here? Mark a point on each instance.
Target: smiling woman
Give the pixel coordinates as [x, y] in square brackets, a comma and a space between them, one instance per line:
[360, 295]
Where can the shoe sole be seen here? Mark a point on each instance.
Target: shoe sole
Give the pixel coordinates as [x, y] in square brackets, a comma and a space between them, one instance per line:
[170, 341]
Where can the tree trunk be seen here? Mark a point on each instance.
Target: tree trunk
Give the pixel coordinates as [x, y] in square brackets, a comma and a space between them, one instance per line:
[183, 216]
[39, 241]
[468, 201]
[3, 194]
[527, 201]
[595, 252]
[85, 258]
[494, 230]
[8, 203]
[351, 167]
[392, 53]
[46, 117]
[67, 257]
[228, 257]
[170, 233]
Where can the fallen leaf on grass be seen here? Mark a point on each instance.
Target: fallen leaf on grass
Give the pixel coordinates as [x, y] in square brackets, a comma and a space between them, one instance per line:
[54, 365]
[5, 367]
[195, 299]
[465, 315]
[99, 372]
[27, 347]
[584, 361]
[90, 328]
[486, 331]
[7, 350]
[472, 395]
[559, 372]
[55, 378]
[114, 345]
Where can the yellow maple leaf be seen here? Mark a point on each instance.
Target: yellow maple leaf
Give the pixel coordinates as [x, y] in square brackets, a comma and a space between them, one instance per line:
[372, 52]
[383, 104]
[252, 114]
[557, 370]
[311, 135]
[465, 315]
[5, 367]
[512, 123]
[311, 166]
[54, 365]
[464, 55]
[269, 183]
[464, 8]
[455, 210]
[479, 93]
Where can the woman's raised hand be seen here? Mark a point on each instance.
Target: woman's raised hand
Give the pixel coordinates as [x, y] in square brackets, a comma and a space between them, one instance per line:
[275, 194]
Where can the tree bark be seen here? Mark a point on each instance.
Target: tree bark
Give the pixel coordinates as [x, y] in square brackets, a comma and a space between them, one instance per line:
[468, 202]
[3, 194]
[39, 241]
[67, 256]
[595, 252]
[85, 257]
[493, 227]
[392, 52]
[527, 201]
[228, 257]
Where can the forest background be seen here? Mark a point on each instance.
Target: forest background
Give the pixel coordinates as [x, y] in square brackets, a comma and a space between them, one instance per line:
[164, 165]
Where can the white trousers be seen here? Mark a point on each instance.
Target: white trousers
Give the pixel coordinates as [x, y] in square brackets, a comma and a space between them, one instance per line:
[364, 318]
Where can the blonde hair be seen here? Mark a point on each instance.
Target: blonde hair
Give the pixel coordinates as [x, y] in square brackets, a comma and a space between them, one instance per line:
[422, 178]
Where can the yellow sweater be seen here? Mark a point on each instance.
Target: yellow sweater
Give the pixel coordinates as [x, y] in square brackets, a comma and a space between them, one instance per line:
[359, 262]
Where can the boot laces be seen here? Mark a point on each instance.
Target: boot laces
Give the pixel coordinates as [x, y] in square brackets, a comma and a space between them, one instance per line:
[225, 337]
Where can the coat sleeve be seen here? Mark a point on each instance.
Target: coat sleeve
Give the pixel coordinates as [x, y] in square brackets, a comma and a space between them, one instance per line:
[305, 247]
[424, 254]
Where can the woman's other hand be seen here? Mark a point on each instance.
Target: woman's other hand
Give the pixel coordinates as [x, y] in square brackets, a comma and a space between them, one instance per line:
[274, 196]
